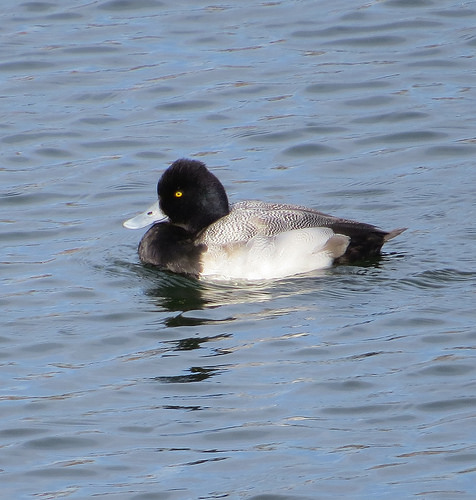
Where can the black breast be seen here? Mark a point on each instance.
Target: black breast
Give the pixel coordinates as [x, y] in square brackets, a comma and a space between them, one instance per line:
[170, 247]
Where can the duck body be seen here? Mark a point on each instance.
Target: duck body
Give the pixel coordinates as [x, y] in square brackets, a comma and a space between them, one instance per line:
[203, 236]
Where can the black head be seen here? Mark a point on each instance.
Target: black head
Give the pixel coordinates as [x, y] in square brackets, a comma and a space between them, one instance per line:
[191, 196]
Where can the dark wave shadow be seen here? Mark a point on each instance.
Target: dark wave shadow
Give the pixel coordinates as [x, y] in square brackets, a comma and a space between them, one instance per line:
[196, 374]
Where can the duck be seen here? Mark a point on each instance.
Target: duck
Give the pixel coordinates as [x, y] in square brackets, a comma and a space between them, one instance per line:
[196, 232]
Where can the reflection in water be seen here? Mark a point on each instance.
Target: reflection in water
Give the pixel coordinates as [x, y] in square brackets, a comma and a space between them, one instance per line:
[189, 344]
[182, 407]
[181, 320]
[180, 293]
[197, 374]
[176, 293]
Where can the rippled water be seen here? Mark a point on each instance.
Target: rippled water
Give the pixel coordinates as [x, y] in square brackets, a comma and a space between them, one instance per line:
[121, 382]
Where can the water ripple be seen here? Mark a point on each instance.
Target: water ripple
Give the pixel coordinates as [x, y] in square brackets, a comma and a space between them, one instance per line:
[358, 379]
[438, 278]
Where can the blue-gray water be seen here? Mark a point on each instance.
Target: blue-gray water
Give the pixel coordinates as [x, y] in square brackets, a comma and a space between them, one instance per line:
[123, 383]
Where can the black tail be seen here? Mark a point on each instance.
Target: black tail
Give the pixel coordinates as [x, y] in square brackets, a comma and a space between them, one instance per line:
[366, 241]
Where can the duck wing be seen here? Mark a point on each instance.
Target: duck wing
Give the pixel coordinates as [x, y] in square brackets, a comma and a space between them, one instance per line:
[248, 219]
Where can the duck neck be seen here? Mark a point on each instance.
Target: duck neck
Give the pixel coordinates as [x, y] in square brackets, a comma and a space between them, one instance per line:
[212, 211]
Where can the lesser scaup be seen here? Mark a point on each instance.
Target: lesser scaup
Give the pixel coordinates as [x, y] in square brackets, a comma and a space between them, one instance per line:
[196, 232]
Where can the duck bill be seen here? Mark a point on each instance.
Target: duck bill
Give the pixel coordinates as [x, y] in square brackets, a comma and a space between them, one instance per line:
[151, 215]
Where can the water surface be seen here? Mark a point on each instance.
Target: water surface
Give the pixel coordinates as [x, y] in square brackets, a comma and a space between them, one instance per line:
[123, 382]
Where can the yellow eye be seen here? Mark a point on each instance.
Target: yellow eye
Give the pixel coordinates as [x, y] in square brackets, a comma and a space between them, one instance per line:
[178, 194]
